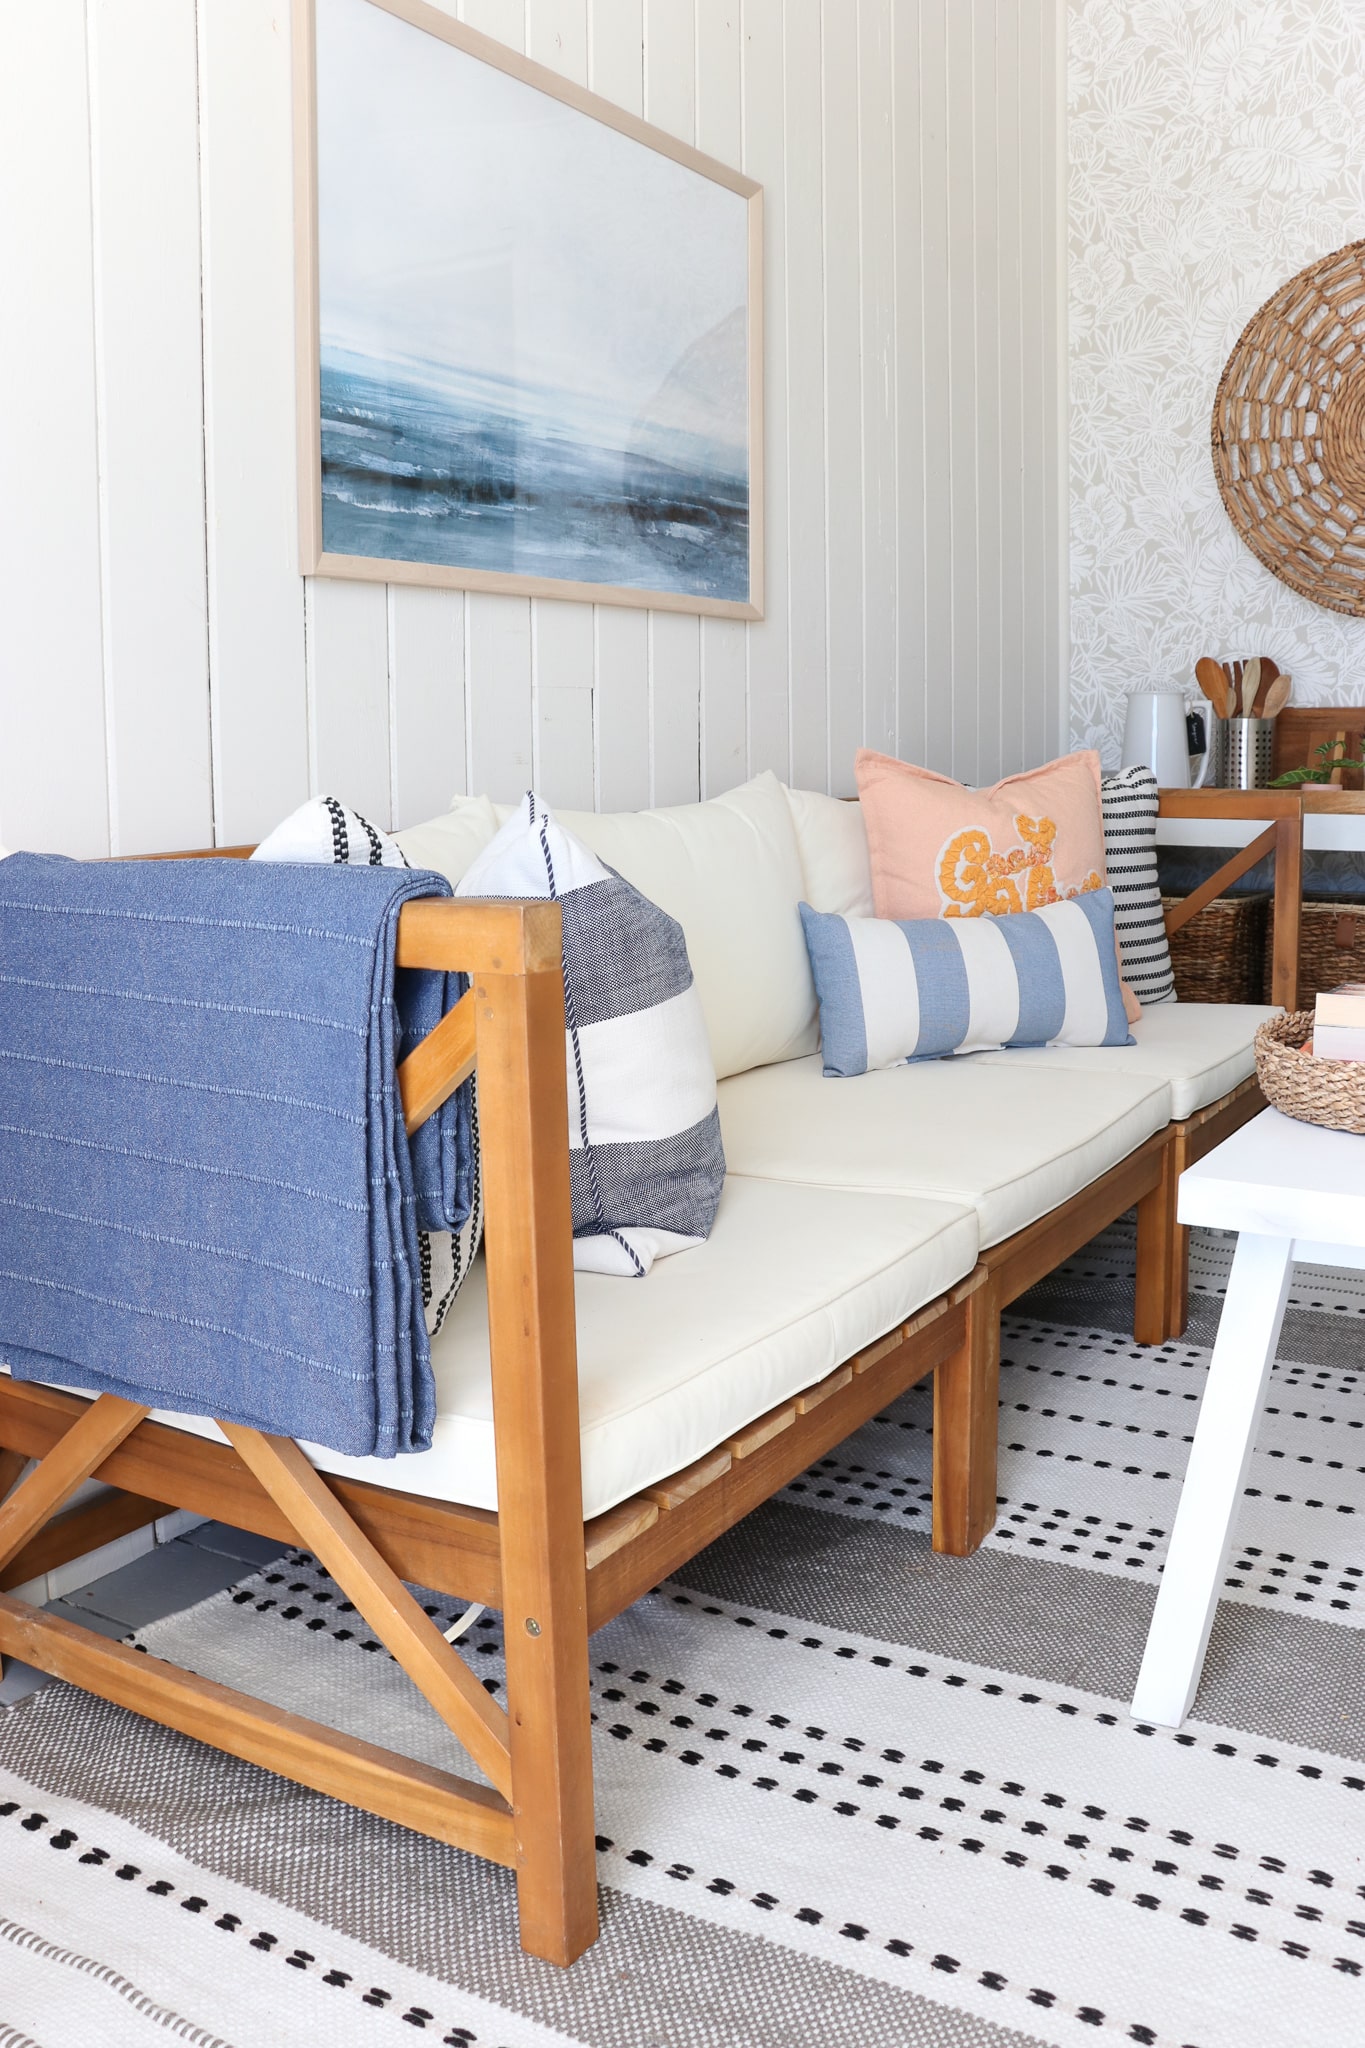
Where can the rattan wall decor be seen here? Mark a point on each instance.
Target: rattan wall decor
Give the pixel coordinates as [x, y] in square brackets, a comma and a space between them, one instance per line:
[1288, 432]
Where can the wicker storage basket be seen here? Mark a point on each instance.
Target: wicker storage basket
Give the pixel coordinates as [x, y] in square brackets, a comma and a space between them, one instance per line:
[1218, 957]
[1331, 949]
[1330, 1092]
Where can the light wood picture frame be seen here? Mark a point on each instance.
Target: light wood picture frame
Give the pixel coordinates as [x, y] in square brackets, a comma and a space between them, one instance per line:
[529, 328]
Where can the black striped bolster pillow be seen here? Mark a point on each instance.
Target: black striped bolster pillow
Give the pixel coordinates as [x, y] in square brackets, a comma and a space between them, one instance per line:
[1129, 800]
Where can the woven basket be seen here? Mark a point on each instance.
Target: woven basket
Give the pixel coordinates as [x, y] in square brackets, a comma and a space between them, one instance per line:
[1330, 1092]
[1218, 957]
[1288, 432]
[1331, 949]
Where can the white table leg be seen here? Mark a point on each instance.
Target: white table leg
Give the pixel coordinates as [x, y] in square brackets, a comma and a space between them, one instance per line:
[1248, 1337]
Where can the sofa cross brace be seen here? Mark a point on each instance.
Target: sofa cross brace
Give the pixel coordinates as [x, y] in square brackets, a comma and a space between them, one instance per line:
[453, 1809]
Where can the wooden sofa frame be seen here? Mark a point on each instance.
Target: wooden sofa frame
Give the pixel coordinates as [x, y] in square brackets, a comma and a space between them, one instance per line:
[553, 1578]
[1163, 1301]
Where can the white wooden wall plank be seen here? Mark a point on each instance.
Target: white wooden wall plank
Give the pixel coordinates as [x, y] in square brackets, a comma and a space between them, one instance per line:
[877, 255]
[675, 707]
[912, 396]
[720, 108]
[426, 679]
[844, 370]
[350, 725]
[348, 649]
[671, 66]
[988, 422]
[616, 51]
[1049, 182]
[724, 642]
[563, 660]
[54, 789]
[145, 138]
[256, 645]
[1010, 203]
[962, 382]
[623, 782]
[806, 452]
[505, 19]
[567, 772]
[724, 743]
[557, 35]
[1037, 744]
[765, 147]
[939, 675]
[498, 668]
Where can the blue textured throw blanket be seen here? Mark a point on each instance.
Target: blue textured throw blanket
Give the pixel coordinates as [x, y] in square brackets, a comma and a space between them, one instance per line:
[207, 1199]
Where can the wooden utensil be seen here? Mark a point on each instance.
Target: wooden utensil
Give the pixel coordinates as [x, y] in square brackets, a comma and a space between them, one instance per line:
[1251, 683]
[1276, 697]
[1210, 677]
[1263, 690]
[1234, 675]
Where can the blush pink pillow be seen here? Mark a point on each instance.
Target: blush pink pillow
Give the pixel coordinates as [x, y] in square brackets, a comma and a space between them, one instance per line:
[939, 849]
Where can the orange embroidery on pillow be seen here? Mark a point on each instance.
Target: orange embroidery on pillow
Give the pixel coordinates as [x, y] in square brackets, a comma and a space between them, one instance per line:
[973, 881]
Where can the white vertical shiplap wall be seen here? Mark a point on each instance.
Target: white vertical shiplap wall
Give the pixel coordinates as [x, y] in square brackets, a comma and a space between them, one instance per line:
[166, 677]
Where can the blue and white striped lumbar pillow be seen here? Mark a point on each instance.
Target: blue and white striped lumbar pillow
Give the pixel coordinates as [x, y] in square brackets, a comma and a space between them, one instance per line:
[891, 991]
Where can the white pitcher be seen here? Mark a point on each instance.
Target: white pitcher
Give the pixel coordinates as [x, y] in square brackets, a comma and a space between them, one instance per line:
[1155, 736]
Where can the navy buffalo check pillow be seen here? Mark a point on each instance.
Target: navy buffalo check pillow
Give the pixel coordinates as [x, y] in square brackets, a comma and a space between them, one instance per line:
[645, 1154]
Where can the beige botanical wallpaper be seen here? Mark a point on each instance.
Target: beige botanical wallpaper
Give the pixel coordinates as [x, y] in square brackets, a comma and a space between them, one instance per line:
[1215, 147]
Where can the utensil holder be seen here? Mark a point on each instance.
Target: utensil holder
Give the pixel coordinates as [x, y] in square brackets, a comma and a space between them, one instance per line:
[1243, 748]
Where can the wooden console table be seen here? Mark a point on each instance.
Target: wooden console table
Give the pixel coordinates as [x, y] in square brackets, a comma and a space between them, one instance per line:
[1333, 819]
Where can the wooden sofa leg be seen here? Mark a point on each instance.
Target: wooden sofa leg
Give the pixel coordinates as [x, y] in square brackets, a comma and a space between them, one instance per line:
[522, 1094]
[966, 1430]
[1161, 1303]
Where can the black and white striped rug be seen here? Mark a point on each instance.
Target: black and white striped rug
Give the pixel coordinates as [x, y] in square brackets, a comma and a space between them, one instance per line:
[847, 1792]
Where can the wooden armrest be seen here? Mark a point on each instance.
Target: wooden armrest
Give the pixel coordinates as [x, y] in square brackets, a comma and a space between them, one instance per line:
[472, 936]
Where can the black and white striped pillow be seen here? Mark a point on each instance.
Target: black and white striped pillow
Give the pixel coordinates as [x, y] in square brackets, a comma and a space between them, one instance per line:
[1129, 801]
[325, 829]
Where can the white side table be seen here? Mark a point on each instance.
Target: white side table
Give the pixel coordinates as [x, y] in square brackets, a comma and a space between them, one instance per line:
[1291, 1191]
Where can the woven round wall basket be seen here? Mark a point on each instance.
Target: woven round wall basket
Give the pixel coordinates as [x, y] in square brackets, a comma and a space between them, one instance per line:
[1330, 1092]
[1289, 432]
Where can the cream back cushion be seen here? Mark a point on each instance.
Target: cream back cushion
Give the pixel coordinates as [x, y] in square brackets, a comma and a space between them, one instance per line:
[729, 870]
[834, 858]
[451, 843]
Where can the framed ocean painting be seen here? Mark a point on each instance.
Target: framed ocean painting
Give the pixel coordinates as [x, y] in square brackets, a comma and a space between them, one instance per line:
[529, 324]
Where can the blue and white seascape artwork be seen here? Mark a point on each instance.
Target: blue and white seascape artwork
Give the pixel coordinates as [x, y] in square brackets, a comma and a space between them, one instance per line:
[534, 329]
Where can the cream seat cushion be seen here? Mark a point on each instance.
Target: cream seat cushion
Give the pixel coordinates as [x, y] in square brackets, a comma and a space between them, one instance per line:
[728, 870]
[1201, 1049]
[955, 1130]
[791, 1282]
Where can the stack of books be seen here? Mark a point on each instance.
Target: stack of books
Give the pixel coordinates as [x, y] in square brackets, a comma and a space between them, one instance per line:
[1339, 1023]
